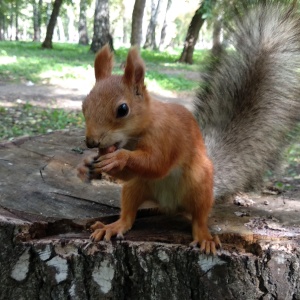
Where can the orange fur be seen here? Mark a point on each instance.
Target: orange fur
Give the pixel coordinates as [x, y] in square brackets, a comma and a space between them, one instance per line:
[106, 58]
[161, 155]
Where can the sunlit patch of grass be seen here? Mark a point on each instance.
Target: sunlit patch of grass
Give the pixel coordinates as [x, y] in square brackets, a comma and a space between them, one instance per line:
[27, 61]
[171, 82]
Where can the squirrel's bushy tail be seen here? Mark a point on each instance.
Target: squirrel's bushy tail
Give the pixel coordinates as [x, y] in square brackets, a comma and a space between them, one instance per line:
[251, 99]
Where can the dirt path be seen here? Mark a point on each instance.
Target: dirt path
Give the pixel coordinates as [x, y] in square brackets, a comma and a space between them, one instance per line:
[55, 96]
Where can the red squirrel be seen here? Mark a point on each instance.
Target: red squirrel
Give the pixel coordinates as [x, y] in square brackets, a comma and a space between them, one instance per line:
[248, 104]
[155, 148]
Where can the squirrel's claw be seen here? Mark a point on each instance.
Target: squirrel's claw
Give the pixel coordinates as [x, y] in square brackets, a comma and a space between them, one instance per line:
[208, 246]
[106, 232]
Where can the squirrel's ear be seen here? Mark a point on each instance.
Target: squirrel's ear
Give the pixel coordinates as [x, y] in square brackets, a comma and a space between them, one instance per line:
[134, 73]
[103, 63]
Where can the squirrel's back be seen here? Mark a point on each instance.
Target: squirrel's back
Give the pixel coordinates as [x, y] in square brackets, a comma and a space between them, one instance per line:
[251, 99]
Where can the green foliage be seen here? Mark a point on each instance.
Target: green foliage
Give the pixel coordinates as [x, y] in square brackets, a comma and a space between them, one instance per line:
[227, 10]
[206, 8]
[27, 119]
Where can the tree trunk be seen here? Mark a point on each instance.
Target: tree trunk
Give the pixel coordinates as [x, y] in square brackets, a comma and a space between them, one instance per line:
[192, 36]
[17, 20]
[82, 27]
[163, 30]
[48, 12]
[217, 46]
[72, 32]
[125, 24]
[2, 26]
[11, 23]
[125, 27]
[40, 6]
[60, 30]
[51, 25]
[137, 23]
[151, 37]
[37, 19]
[102, 34]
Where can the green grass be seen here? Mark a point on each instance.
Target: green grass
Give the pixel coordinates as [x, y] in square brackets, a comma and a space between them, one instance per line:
[173, 83]
[27, 61]
[27, 119]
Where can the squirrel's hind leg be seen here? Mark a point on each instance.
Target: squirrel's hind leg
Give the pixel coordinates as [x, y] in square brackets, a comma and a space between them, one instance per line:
[133, 195]
[199, 201]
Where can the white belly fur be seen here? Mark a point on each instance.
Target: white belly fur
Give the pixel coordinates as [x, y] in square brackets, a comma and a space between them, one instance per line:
[168, 192]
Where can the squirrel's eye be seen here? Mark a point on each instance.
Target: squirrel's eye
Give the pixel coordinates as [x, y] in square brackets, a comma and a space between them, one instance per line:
[122, 110]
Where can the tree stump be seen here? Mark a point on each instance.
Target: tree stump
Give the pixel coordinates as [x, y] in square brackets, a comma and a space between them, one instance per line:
[45, 213]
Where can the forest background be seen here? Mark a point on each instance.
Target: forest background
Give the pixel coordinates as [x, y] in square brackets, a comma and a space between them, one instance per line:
[153, 24]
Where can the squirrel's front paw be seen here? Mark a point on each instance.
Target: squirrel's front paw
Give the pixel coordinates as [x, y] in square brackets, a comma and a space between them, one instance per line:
[208, 246]
[105, 232]
[86, 171]
[113, 162]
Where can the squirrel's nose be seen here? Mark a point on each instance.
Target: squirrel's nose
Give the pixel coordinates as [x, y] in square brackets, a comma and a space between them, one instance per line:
[91, 143]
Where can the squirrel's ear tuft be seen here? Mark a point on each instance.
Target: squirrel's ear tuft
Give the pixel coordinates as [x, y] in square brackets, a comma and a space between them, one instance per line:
[134, 73]
[103, 63]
